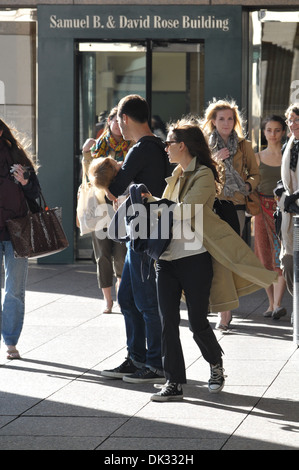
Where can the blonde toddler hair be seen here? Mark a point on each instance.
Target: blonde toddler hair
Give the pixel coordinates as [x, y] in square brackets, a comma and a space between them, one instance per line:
[102, 172]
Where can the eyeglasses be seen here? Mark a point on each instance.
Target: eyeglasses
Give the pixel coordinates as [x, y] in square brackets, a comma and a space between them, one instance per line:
[289, 122]
[168, 142]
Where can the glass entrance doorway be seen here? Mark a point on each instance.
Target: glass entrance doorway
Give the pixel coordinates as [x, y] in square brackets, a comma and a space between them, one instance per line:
[169, 75]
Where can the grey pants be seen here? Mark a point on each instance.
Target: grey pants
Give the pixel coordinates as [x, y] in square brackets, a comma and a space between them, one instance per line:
[110, 258]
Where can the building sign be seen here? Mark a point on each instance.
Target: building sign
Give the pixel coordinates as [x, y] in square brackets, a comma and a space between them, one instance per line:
[131, 21]
[142, 22]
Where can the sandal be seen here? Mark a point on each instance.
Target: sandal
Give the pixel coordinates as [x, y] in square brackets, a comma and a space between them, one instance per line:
[108, 309]
[13, 353]
[222, 328]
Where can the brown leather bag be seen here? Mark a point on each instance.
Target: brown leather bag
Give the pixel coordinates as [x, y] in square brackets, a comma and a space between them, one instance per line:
[252, 201]
[37, 234]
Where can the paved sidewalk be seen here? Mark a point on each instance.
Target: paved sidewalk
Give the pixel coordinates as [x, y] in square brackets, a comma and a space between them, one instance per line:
[55, 398]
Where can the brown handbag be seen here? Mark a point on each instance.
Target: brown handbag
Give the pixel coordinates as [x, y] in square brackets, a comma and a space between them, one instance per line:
[253, 203]
[37, 234]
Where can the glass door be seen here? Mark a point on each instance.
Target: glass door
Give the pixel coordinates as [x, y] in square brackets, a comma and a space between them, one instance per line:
[105, 73]
[169, 75]
[177, 85]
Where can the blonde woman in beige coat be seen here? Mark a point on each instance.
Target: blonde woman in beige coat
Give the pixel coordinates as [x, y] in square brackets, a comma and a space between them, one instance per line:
[212, 274]
[224, 127]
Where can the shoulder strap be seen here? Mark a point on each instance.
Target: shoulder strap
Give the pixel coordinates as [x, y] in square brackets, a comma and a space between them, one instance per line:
[84, 174]
[244, 159]
[259, 157]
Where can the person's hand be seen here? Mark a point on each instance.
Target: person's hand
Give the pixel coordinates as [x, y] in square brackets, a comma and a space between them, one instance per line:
[289, 200]
[248, 187]
[110, 196]
[88, 144]
[147, 195]
[222, 154]
[278, 191]
[21, 174]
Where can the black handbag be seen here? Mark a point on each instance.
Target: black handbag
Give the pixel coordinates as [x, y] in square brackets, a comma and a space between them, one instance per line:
[227, 212]
[37, 234]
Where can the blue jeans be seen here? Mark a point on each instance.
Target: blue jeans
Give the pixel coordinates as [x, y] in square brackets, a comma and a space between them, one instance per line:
[137, 297]
[13, 307]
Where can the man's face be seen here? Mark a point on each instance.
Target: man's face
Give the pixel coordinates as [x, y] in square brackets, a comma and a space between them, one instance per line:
[122, 123]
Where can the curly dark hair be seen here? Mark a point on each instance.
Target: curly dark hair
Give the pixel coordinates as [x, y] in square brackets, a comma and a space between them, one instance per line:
[187, 130]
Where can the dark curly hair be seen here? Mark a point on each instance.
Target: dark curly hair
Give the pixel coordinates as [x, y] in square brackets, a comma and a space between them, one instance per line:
[187, 130]
[17, 150]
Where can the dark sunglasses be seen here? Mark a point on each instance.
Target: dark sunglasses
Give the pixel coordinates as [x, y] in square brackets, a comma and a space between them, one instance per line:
[168, 142]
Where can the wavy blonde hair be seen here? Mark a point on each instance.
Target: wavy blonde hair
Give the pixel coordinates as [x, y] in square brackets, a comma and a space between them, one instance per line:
[211, 113]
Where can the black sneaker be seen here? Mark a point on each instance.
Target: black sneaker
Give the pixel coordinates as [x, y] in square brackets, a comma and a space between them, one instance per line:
[170, 392]
[217, 379]
[144, 375]
[126, 367]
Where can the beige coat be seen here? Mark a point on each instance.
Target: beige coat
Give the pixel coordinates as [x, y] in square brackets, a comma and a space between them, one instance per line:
[237, 271]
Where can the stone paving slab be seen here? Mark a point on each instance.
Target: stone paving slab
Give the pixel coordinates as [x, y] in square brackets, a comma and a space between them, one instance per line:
[56, 399]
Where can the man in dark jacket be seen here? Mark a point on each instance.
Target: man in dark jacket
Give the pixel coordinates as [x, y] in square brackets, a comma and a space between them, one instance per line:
[147, 163]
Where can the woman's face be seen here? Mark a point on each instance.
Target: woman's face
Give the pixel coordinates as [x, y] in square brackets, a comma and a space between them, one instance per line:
[114, 127]
[293, 123]
[224, 122]
[273, 132]
[172, 148]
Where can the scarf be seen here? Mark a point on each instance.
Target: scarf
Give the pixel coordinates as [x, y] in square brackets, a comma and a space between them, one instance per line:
[107, 143]
[294, 155]
[233, 181]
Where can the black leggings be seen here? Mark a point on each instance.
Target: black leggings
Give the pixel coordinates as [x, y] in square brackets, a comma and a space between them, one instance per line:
[193, 275]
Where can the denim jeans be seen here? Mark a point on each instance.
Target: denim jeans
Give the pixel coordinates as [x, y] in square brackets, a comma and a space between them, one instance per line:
[13, 306]
[137, 297]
